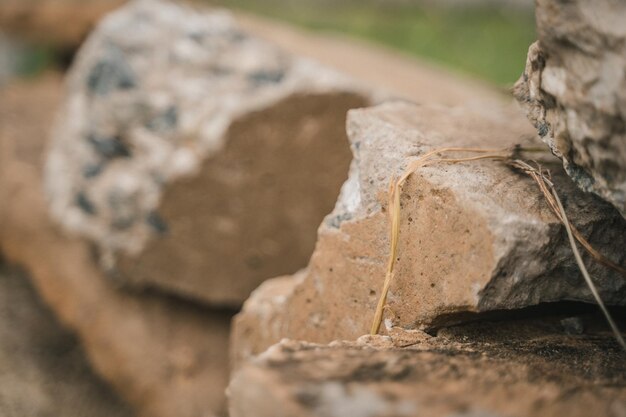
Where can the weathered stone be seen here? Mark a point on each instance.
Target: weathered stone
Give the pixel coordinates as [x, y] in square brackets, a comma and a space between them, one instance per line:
[166, 357]
[474, 237]
[574, 91]
[197, 158]
[519, 368]
[43, 370]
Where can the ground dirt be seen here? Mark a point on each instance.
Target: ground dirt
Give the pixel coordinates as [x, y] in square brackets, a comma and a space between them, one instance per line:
[43, 369]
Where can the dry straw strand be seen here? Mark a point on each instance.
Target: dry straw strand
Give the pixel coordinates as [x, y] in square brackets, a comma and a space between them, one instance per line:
[583, 269]
[545, 185]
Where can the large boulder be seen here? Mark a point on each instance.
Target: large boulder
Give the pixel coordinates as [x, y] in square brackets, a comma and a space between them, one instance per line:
[518, 368]
[474, 237]
[163, 355]
[197, 158]
[574, 91]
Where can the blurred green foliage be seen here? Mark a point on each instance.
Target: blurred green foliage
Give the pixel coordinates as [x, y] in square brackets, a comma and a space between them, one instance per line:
[488, 42]
[32, 60]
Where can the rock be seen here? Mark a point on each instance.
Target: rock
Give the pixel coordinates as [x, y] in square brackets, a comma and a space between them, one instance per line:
[165, 356]
[474, 237]
[43, 369]
[197, 158]
[518, 368]
[62, 24]
[574, 91]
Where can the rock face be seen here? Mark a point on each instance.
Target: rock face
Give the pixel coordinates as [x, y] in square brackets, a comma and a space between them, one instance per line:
[43, 370]
[164, 356]
[520, 368]
[474, 237]
[185, 142]
[574, 91]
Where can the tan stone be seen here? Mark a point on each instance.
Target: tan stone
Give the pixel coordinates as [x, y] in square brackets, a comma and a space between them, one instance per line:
[199, 159]
[519, 368]
[474, 237]
[574, 91]
[63, 24]
[165, 356]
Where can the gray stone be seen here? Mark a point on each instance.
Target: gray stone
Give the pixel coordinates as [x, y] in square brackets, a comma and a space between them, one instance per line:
[574, 91]
[474, 237]
[197, 158]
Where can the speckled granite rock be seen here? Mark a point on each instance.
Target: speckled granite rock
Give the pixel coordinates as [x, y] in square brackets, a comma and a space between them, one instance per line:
[519, 368]
[574, 91]
[474, 237]
[197, 158]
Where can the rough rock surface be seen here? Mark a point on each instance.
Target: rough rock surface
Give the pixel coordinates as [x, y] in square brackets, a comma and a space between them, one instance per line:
[518, 368]
[164, 356]
[474, 237]
[43, 370]
[184, 141]
[574, 91]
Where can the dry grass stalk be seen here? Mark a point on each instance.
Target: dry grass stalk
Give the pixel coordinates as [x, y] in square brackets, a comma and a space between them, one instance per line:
[543, 181]
[583, 269]
[545, 185]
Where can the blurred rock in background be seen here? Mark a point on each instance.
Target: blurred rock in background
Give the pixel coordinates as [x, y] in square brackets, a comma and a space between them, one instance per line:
[63, 24]
[43, 368]
[184, 141]
[164, 356]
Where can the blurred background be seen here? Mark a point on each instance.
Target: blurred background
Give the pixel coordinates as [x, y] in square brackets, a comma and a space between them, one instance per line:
[43, 367]
[486, 39]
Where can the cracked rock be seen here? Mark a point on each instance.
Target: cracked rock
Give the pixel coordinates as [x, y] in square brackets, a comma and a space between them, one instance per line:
[474, 237]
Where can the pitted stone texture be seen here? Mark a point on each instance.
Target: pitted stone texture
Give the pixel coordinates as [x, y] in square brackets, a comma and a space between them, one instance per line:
[520, 368]
[474, 237]
[198, 158]
[574, 91]
[165, 356]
